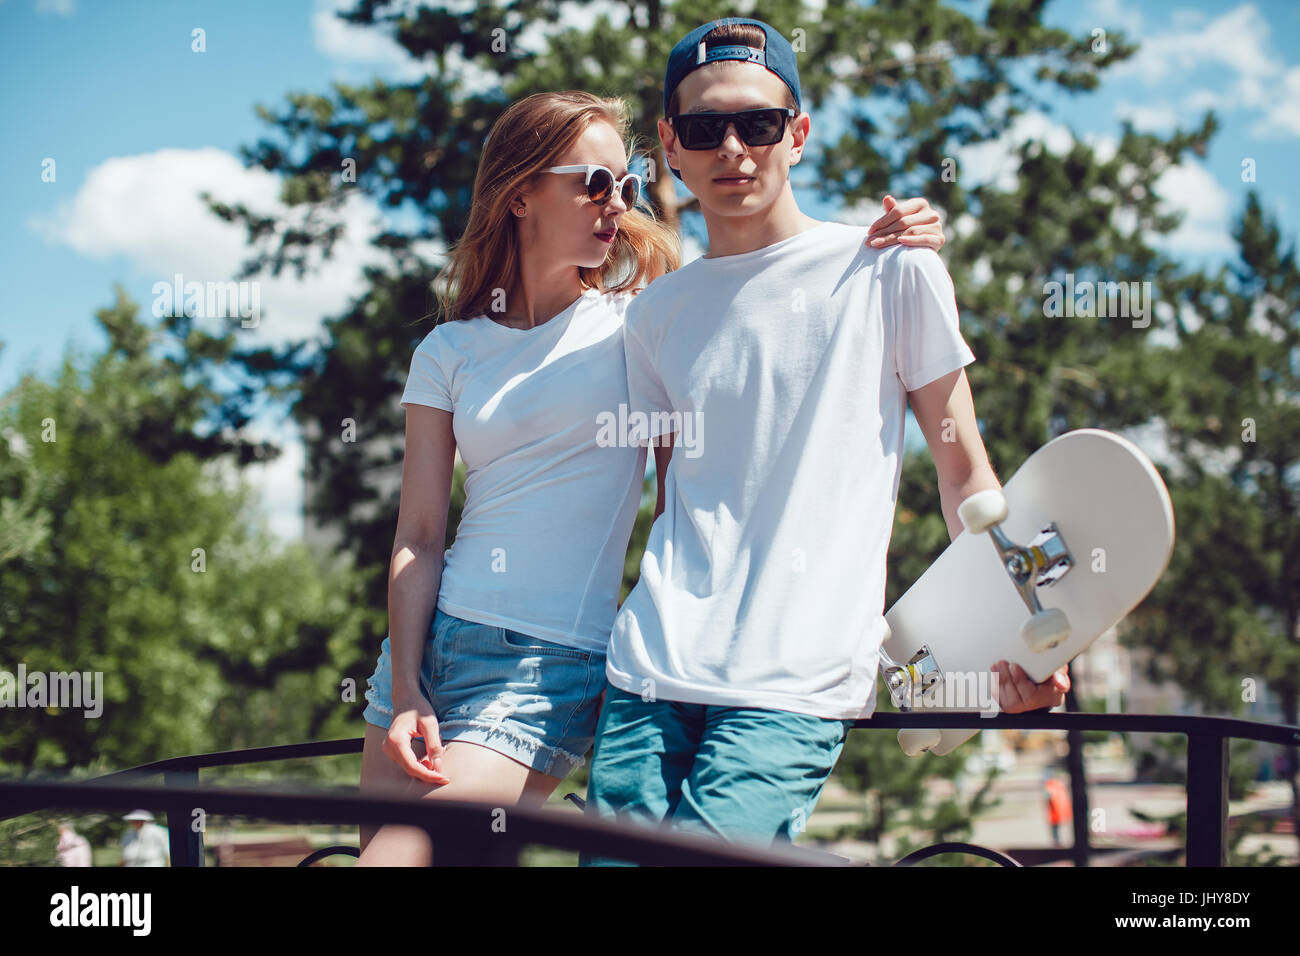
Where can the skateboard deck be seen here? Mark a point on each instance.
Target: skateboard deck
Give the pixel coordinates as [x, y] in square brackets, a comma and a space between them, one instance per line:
[1088, 493]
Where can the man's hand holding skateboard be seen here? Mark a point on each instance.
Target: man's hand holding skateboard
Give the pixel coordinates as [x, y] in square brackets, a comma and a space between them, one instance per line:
[1017, 693]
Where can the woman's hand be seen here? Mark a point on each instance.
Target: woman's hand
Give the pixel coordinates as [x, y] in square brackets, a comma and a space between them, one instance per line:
[911, 222]
[413, 717]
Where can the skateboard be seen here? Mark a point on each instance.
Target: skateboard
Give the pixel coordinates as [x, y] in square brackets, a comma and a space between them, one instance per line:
[1071, 543]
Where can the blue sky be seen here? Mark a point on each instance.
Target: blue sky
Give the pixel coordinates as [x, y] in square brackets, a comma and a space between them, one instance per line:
[136, 123]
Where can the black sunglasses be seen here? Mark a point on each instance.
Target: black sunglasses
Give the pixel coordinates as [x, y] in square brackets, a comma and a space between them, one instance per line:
[761, 127]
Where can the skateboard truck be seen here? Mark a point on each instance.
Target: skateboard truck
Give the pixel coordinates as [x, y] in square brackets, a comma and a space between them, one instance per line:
[919, 674]
[1043, 562]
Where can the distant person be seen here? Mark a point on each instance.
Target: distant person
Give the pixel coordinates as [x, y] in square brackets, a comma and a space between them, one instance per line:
[1058, 806]
[73, 848]
[145, 844]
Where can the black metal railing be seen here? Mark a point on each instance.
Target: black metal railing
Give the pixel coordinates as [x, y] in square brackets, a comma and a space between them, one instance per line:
[1207, 758]
[466, 832]
[462, 832]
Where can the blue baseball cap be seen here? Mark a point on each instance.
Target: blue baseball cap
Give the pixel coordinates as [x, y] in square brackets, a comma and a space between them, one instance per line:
[689, 54]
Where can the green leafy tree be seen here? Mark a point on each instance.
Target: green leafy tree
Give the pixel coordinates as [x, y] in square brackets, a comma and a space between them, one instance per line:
[132, 554]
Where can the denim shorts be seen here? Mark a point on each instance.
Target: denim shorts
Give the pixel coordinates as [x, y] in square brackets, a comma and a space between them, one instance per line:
[535, 701]
[743, 774]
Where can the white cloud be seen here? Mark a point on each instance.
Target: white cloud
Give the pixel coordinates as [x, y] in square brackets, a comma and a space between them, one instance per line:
[1116, 13]
[1187, 18]
[278, 485]
[1189, 316]
[1124, 219]
[964, 225]
[61, 8]
[1237, 40]
[1259, 320]
[376, 50]
[351, 43]
[1154, 117]
[1206, 207]
[1284, 110]
[1235, 48]
[1103, 145]
[902, 50]
[1201, 100]
[691, 249]
[146, 209]
[572, 16]
[995, 161]
[862, 213]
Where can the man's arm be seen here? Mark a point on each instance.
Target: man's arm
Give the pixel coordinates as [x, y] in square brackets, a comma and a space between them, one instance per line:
[946, 413]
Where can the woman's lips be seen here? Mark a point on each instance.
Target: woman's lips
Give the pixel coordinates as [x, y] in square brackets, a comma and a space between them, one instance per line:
[606, 236]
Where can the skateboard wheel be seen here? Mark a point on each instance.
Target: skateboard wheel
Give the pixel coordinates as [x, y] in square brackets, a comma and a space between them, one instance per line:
[1045, 629]
[915, 740]
[983, 510]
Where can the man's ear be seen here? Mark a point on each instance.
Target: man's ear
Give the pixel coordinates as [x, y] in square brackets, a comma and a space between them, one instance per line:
[800, 127]
[668, 139]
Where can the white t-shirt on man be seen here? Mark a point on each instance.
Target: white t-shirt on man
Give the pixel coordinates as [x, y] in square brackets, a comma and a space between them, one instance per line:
[549, 506]
[763, 582]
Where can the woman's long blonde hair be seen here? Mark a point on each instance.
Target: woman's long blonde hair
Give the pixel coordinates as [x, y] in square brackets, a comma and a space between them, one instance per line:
[528, 137]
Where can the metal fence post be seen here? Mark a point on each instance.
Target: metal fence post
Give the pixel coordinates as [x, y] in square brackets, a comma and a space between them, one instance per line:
[1081, 851]
[1207, 800]
[186, 844]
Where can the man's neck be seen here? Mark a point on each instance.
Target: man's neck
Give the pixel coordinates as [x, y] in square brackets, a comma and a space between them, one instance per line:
[733, 235]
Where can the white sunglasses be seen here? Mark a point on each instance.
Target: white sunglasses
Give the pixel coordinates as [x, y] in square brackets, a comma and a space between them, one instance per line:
[601, 183]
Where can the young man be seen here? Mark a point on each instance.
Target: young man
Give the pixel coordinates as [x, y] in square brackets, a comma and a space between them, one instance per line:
[750, 644]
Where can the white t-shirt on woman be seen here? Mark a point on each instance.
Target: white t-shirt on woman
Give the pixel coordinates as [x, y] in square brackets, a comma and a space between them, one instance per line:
[549, 509]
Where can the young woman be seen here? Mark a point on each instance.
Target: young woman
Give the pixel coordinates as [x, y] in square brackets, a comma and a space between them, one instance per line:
[488, 686]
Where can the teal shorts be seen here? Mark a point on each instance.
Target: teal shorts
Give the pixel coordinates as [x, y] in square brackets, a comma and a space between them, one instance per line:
[744, 774]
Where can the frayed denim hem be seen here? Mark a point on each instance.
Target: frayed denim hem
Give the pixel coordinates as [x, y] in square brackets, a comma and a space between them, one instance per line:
[521, 747]
[374, 711]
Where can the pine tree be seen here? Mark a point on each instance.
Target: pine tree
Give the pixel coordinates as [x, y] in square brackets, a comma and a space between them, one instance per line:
[1223, 620]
